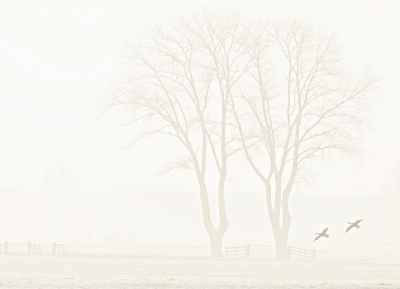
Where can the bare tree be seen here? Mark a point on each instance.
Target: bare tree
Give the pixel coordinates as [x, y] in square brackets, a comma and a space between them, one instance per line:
[180, 81]
[296, 105]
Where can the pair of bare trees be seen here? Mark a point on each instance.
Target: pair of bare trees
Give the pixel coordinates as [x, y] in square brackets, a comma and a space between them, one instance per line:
[220, 86]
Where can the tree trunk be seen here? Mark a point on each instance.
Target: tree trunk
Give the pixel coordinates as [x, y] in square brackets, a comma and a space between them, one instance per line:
[216, 243]
[282, 252]
[215, 234]
[281, 234]
[280, 226]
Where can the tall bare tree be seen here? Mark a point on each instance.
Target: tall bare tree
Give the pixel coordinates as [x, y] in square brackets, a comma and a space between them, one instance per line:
[296, 105]
[181, 77]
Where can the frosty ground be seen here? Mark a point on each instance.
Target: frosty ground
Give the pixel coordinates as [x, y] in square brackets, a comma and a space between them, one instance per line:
[185, 267]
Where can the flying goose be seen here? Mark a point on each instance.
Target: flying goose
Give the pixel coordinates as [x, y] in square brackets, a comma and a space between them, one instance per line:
[322, 234]
[353, 225]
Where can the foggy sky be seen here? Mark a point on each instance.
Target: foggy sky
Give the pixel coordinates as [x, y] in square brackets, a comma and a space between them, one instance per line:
[59, 59]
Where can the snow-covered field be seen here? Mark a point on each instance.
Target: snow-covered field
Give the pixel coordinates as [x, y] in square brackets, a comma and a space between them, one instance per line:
[186, 267]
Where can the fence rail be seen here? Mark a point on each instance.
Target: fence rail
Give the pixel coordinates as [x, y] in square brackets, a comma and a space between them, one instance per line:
[58, 249]
[4, 248]
[301, 253]
[237, 252]
[268, 252]
[250, 251]
[262, 252]
[34, 249]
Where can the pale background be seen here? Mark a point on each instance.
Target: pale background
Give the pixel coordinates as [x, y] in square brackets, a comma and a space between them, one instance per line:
[59, 59]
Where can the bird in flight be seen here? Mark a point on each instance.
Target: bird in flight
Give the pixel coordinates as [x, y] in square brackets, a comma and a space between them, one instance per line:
[322, 234]
[353, 225]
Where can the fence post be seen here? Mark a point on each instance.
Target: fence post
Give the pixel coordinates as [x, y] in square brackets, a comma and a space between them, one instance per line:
[5, 247]
[29, 247]
[54, 248]
[290, 252]
[247, 251]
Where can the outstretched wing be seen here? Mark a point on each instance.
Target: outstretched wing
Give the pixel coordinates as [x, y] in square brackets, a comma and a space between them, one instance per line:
[349, 228]
[324, 231]
[358, 221]
[316, 238]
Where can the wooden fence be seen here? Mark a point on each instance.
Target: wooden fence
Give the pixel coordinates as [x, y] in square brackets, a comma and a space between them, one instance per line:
[4, 248]
[268, 252]
[254, 251]
[301, 253]
[58, 249]
[237, 252]
[262, 252]
[34, 249]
